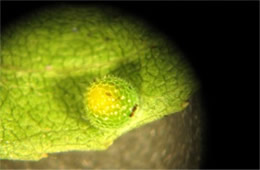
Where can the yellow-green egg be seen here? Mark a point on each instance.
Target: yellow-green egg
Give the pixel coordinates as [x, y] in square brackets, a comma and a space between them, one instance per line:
[110, 102]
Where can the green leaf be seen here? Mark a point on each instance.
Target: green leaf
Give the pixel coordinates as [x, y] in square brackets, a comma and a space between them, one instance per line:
[49, 59]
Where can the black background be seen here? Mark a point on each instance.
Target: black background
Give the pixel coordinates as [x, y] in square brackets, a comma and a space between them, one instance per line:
[221, 40]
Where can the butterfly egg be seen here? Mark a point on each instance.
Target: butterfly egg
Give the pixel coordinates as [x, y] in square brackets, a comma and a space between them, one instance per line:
[109, 102]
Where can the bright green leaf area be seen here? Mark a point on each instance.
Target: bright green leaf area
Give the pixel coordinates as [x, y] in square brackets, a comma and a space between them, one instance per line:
[49, 58]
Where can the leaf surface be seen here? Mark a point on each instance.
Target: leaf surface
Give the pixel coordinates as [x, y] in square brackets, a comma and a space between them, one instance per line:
[50, 58]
